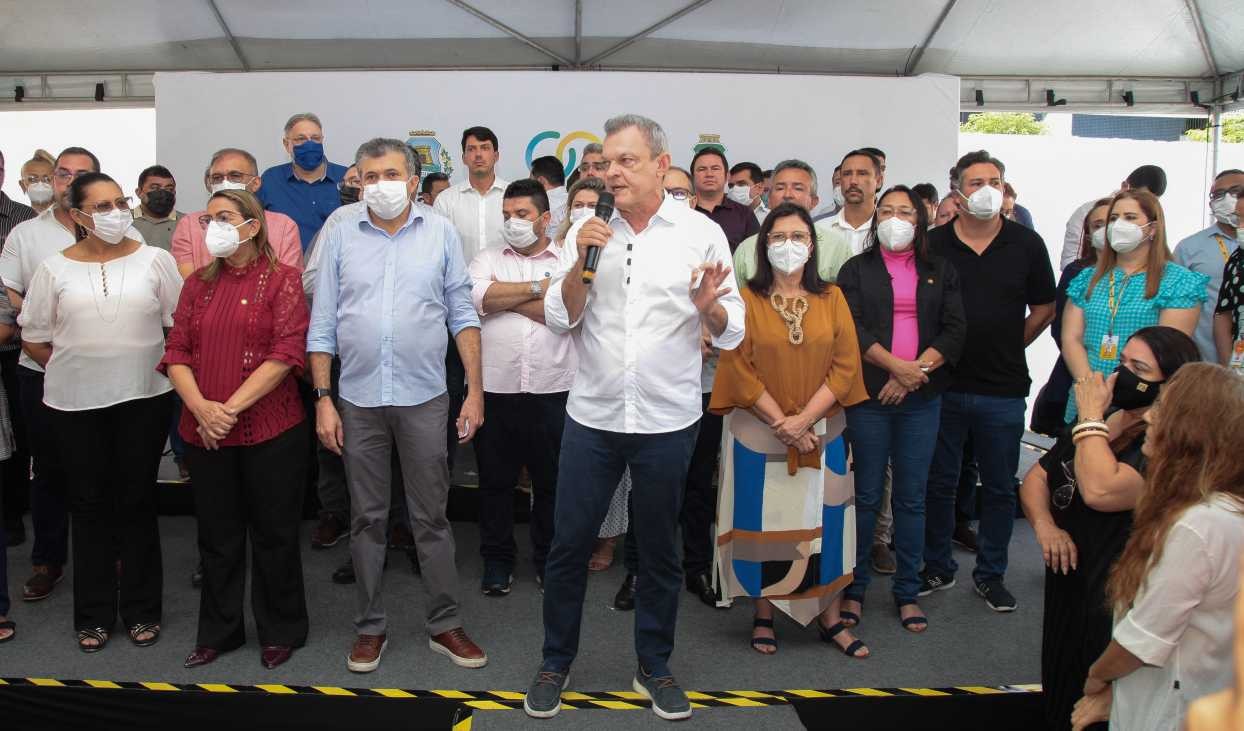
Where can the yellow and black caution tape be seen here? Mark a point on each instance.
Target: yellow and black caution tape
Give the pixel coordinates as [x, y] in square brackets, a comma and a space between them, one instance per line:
[501, 700]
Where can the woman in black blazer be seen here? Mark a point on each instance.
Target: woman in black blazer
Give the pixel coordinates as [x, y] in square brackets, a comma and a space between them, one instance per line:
[909, 319]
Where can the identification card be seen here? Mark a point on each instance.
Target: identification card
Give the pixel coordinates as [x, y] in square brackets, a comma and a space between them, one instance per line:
[1237, 356]
[1109, 347]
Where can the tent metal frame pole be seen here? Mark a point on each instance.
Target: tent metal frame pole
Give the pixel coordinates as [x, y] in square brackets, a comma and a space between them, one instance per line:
[1195, 11]
[646, 32]
[237, 47]
[910, 68]
[461, 5]
[578, 32]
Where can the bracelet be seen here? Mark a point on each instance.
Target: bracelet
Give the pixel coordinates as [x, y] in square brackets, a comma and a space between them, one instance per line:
[1076, 439]
[1090, 424]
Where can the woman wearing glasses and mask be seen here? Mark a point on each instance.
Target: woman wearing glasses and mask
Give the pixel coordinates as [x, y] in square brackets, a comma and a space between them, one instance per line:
[94, 318]
[238, 342]
[1079, 499]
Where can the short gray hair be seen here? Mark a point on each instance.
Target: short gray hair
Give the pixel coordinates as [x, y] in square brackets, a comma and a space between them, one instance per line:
[652, 132]
[593, 148]
[794, 164]
[227, 151]
[303, 117]
[381, 146]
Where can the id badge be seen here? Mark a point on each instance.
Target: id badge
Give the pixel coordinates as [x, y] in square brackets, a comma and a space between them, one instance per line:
[1109, 347]
[1237, 356]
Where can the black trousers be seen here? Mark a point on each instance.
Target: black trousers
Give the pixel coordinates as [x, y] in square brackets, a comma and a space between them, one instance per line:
[16, 471]
[111, 458]
[519, 429]
[49, 496]
[455, 384]
[254, 490]
[699, 505]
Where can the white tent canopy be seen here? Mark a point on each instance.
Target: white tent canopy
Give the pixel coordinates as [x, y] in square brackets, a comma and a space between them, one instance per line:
[1163, 54]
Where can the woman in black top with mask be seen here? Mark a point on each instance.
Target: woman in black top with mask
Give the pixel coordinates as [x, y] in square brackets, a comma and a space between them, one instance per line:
[1079, 500]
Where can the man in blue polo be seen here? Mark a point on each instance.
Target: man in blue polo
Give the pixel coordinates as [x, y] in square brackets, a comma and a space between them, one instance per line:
[305, 189]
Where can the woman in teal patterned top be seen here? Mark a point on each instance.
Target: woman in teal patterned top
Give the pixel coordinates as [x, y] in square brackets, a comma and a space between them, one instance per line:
[1134, 285]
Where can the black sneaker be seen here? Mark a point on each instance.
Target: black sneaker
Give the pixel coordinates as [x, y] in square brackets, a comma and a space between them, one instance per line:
[668, 699]
[996, 596]
[930, 583]
[964, 537]
[498, 578]
[544, 695]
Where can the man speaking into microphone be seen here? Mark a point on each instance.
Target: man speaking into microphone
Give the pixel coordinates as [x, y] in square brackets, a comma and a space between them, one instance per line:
[635, 402]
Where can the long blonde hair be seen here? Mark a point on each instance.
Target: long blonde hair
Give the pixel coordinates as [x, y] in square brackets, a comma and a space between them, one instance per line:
[250, 207]
[1159, 254]
[1195, 443]
[563, 228]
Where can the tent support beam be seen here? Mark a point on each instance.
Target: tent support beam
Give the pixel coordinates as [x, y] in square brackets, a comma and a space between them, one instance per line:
[460, 4]
[910, 68]
[646, 32]
[237, 48]
[1202, 38]
[578, 32]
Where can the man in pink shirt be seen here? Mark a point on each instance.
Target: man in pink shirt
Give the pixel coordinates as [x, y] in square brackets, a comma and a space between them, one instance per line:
[527, 371]
[233, 169]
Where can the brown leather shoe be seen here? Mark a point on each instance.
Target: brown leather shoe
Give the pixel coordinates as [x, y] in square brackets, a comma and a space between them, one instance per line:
[200, 656]
[459, 648]
[365, 655]
[331, 529]
[42, 582]
[274, 655]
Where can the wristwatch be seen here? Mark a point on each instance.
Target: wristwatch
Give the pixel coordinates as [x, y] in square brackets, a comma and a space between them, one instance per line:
[322, 392]
[537, 288]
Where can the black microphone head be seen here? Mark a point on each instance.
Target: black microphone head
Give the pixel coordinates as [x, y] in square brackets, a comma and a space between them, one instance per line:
[604, 205]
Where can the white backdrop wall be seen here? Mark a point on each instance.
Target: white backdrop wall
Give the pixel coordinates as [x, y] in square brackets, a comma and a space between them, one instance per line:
[758, 117]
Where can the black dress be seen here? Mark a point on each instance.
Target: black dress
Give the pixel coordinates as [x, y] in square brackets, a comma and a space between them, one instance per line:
[1078, 623]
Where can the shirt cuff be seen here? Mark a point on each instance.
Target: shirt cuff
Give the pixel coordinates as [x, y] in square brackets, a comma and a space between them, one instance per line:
[1149, 648]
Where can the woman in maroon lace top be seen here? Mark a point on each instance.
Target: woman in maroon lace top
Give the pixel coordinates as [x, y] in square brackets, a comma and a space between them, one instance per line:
[238, 342]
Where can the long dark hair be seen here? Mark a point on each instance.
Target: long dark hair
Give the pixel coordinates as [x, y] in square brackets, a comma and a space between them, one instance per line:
[762, 281]
[77, 194]
[920, 244]
[1172, 347]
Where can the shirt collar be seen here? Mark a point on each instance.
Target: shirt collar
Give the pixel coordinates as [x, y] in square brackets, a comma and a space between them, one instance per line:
[417, 210]
[142, 213]
[552, 250]
[497, 184]
[840, 221]
[328, 175]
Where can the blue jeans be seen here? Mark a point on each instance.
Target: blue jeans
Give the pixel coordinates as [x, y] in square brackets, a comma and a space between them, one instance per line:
[592, 462]
[996, 425]
[903, 436]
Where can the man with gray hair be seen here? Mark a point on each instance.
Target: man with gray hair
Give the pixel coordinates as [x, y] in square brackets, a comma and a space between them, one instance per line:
[636, 318]
[593, 164]
[392, 287]
[306, 188]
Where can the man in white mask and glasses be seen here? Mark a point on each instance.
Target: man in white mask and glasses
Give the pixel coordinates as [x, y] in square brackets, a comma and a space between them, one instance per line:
[1008, 295]
[393, 287]
[1207, 252]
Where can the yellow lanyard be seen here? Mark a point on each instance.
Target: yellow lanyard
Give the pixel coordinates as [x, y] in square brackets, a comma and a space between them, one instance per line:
[1111, 303]
[1222, 247]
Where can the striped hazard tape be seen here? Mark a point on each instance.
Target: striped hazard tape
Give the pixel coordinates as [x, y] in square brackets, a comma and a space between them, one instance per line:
[502, 700]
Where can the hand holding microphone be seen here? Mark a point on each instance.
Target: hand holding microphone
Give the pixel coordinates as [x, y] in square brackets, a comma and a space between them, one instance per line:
[593, 236]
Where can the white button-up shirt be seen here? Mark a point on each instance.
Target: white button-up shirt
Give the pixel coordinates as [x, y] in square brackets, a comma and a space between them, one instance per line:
[520, 355]
[477, 217]
[638, 339]
[855, 236]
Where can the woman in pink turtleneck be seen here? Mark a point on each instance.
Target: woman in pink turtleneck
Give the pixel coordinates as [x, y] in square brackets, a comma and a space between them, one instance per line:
[910, 323]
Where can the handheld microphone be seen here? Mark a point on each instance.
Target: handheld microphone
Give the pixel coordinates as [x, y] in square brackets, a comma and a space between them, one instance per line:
[604, 211]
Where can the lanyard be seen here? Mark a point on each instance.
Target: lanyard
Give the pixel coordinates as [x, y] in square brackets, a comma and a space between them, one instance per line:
[1222, 247]
[1111, 303]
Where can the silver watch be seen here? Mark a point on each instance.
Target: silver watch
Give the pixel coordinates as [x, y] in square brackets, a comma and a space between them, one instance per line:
[537, 288]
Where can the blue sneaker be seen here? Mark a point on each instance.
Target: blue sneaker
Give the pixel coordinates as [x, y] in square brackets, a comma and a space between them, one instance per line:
[668, 700]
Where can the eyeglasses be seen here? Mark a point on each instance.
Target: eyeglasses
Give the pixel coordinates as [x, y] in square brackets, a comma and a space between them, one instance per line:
[224, 217]
[888, 211]
[295, 141]
[32, 179]
[678, 194]
[1237, 191]
[799, 237]
[1061, 497]
[598, 167]
[64, 175]
[106, 207]
[233, 176]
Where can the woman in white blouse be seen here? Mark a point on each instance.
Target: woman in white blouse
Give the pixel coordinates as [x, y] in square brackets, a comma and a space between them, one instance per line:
[94, 318]
[1174, 586]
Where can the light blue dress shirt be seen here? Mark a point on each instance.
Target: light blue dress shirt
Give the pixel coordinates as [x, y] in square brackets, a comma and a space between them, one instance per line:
[383, 303]
[1206, 252]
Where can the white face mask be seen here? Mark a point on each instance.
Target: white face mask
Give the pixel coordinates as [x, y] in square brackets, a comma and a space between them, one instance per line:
[222, 239]
[387, 199]
[39, 193]
[789, 256]
[578, 214]
[741, 194]
[1126, 236]
[984, 203]
[896, 234]
[839, 199]
[519, 233]
[1099, 238]
[1224, 209]
[110, 227]
[227, 185]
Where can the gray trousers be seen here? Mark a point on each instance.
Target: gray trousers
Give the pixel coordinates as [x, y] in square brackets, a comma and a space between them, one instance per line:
[419, 433]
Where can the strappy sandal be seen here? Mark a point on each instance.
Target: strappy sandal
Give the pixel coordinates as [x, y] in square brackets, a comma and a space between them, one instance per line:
[851, 619]
[916, 623]
[602, 557]
[141, 627]
[99, 634]
[829, 633]
[11, 626]
[759, 642]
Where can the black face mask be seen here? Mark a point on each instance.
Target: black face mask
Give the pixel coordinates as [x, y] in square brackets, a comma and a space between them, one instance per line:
[350, 194]
[160, 202]
[1133, 392]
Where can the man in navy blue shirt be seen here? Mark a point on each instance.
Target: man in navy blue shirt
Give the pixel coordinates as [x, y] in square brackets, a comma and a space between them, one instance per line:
[305, 189]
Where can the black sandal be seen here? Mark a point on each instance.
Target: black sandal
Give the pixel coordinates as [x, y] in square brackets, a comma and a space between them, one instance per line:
[851, 619]
[141, 627]
[829, 633]
[911, 622]
[9, 625]
[758, 642]
[99, 634]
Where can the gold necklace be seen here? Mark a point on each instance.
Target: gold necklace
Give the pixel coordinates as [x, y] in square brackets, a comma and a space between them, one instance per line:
[793, 316]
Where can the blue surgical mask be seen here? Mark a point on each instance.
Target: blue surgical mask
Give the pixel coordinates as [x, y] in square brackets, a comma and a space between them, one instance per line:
[309, 154]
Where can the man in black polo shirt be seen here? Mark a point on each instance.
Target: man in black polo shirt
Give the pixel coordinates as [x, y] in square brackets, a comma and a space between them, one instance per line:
[709, 173]
[1008, 296]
